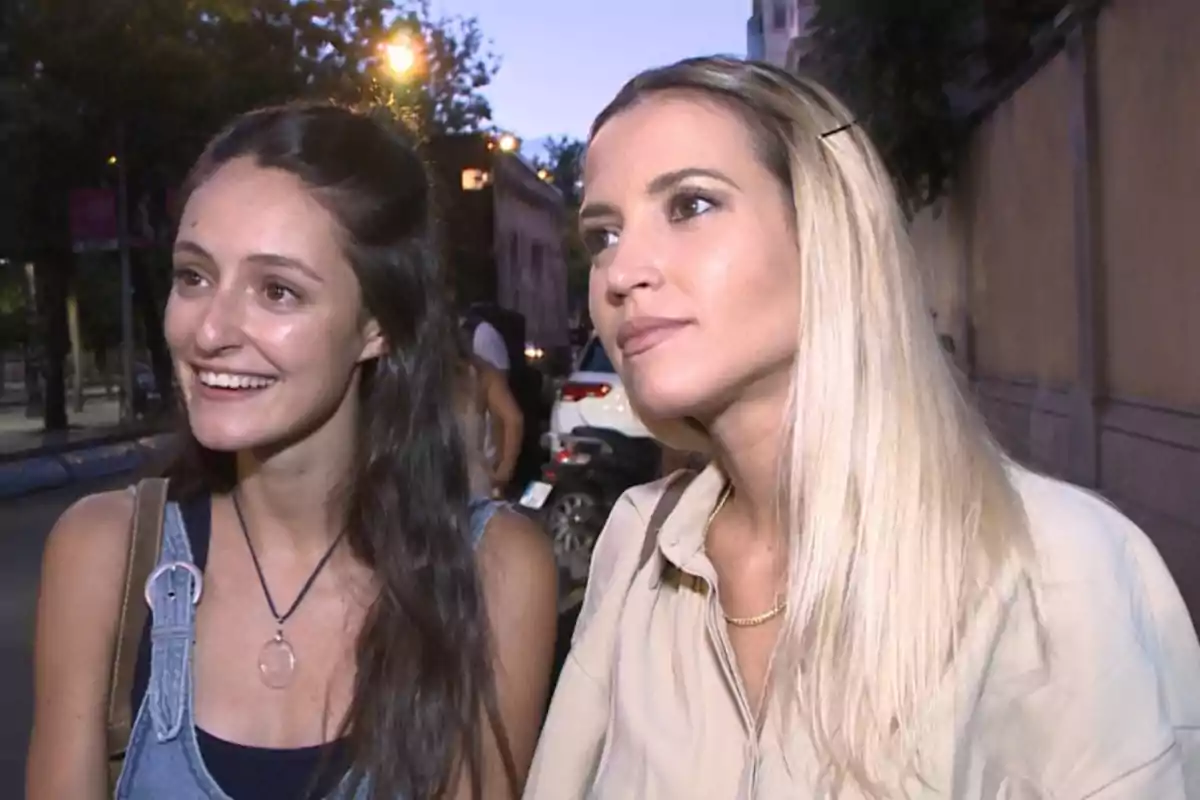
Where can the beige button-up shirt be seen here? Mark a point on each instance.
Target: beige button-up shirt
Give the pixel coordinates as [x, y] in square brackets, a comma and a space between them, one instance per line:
[649, 707]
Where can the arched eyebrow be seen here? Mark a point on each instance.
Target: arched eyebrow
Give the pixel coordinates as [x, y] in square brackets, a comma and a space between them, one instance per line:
[669, 180]
[287, 262]
[188, 247]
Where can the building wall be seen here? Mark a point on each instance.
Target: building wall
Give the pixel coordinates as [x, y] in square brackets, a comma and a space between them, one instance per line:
[1149, 121]
[503, 234]
[1148, 160]
[529, 252]
[1020, 180]
[755, 44]
[939, 236]
[1071, 235]
[465, 217]
[774, 28]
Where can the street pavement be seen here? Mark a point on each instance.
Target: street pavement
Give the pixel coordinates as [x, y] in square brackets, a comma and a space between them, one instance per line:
[21, 432]
[24, 524]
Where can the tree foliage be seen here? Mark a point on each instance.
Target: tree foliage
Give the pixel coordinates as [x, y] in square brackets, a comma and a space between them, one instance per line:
[12, 308]
[151, 80]
[913, 71]
[564, 161]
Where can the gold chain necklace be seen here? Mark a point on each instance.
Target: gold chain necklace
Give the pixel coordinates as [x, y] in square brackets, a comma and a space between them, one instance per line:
[758, 619]
[780, 602]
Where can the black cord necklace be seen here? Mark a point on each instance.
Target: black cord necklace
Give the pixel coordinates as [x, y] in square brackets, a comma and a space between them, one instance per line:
[277, 658]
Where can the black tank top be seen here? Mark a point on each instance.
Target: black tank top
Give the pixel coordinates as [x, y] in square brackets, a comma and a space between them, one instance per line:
[245, 773]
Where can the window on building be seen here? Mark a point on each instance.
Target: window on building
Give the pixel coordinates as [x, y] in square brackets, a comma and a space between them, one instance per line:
[475, 180]
[537, 255]
[779, 15]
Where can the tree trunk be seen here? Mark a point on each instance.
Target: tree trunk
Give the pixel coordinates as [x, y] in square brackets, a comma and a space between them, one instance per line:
[100, 359]
[149, 308]
[76, 351]
[53, 280]
[34, 399]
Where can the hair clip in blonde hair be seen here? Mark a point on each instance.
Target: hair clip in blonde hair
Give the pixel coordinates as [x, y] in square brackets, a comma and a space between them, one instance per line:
[839, 129]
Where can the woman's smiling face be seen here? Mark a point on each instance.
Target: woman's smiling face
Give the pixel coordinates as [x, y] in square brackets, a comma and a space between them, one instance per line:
[265, 319]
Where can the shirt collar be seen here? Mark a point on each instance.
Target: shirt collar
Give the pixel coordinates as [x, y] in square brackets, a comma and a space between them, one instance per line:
[681, 537]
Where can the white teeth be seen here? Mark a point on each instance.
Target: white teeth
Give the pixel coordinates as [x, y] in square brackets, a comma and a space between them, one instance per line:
[229, 380]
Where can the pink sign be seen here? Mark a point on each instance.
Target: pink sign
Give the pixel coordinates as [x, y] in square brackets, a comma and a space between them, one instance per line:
[93, 219]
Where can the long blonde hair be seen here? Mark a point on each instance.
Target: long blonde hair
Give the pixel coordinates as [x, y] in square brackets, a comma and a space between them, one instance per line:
[900, 512]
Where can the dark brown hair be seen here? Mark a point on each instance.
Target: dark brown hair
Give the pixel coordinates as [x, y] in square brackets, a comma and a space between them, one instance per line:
[424, 662]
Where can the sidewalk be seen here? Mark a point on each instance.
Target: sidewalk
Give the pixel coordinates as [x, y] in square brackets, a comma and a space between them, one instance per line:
[97, 444]
[13, 396]
[22, 436]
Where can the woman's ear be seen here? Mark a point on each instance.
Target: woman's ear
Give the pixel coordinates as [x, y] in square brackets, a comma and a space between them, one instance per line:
[374, 343]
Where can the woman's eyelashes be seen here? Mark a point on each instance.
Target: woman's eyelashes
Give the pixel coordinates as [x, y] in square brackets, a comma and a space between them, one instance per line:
[597, 240]
[687, 204]
[274, 292]
[278, 293]
[185, 278]
[682, 207]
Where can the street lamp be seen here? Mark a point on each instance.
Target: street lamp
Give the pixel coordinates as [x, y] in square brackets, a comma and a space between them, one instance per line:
[507, 143]
[402, 56]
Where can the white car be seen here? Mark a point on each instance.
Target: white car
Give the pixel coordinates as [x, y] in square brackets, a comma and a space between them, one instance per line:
[592, 397]
[571, 500]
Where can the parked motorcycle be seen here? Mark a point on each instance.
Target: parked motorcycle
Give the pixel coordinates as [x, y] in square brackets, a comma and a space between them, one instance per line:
[577, 490]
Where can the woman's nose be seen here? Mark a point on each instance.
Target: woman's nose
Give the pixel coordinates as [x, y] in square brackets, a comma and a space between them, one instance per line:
[635, 265]
[223, 323]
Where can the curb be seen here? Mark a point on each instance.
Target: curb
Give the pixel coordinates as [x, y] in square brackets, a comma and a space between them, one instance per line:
[54, 470]
[117, 436]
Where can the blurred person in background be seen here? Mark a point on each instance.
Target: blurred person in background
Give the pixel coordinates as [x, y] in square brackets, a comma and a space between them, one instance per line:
[487, 344]
[493, 426]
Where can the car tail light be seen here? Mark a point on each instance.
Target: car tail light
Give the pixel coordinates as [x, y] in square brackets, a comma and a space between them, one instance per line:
[574, 391]
[571, 455]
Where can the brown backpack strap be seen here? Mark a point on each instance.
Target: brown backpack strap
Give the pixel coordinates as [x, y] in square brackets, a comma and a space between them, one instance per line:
[145, 540]
[666, 504]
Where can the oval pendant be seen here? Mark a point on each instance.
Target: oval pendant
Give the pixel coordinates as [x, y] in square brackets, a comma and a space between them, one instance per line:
[277, 663]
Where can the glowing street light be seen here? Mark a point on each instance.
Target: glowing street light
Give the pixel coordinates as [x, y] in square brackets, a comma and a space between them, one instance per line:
[508, 143]
[402, 56]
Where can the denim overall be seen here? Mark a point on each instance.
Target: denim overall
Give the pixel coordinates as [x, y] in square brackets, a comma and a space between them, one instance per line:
[163, 760]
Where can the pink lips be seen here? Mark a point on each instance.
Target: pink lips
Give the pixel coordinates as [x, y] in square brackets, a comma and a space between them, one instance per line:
[639, 334]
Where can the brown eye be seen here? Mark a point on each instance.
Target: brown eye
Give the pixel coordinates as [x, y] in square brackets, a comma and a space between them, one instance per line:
[186, 277]
[278, 293]
[598, 240]
[689, 205]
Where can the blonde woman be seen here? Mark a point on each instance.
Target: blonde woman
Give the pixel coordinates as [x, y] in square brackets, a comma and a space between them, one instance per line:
[860, 597]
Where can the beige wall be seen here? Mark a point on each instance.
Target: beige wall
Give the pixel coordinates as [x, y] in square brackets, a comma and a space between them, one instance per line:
[539, 293]
[1021, 268]
[940, 239]
[1001, 255]
[1149, 110]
